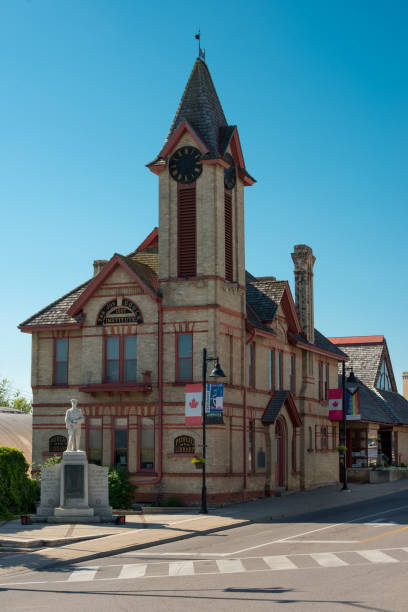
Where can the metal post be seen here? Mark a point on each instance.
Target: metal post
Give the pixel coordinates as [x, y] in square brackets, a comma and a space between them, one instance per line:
[344, 436]
[204, 398]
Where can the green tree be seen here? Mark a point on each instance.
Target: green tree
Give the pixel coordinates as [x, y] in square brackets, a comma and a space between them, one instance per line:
[16, 401]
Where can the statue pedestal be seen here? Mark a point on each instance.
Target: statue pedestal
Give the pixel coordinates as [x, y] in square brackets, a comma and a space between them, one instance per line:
[74, 491]
[74, 486]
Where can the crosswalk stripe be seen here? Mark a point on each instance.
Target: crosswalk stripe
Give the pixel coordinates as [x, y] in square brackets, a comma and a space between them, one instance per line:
[83, 573]
[181, 568]
[230, 566]
[132, 570]
[279, 562]
[328, 559]
[376, 556]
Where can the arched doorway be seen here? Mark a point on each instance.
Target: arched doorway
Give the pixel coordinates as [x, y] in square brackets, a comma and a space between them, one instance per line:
[280, 453]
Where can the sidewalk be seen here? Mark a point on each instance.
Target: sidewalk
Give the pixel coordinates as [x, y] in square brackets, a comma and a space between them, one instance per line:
[85, 542]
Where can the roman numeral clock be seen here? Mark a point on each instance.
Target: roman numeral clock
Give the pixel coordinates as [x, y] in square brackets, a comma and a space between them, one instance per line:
[185, 165]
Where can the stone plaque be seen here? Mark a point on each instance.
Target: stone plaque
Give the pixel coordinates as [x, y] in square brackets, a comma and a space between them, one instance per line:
[73, 481]
[184, 444]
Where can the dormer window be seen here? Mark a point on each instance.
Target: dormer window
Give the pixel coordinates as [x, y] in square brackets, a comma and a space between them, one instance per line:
[384, 380]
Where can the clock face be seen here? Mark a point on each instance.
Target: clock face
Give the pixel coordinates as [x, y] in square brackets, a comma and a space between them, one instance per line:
[230, 174]
[185, 165]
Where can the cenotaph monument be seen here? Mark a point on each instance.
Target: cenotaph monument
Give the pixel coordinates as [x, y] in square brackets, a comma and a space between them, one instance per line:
[74, 491]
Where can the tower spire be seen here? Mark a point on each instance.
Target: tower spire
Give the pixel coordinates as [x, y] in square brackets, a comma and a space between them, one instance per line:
[201, 52]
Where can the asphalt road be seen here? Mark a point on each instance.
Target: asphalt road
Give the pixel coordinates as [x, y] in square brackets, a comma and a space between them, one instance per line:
[355, 557]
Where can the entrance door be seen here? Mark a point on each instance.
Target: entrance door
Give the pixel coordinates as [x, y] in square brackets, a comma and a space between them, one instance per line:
[280, 453]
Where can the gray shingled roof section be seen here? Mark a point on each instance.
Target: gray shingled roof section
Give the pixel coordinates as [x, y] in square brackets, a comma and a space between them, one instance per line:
[397, 403]
[365, 360]
[226, 133]
[274, 407]
[56, 313]
[264, 296]
[325, 344]
[373, 408]
[201, 107]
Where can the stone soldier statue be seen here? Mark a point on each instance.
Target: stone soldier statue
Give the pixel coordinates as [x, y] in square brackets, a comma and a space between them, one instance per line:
[73, 421]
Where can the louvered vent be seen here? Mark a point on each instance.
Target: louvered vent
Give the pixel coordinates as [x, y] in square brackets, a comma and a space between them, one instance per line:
[228, 235]
[187, 238]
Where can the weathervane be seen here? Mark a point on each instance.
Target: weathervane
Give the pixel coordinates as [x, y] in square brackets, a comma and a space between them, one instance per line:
[201, 52]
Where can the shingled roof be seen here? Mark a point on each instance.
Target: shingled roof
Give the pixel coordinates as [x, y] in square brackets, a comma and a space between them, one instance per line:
[200, 107]
[366, 354]
[263, 296]
[56, 312]
[143, 263]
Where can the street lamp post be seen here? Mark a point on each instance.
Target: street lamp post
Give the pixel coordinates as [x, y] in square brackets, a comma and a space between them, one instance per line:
[216, 373]
[351, 386]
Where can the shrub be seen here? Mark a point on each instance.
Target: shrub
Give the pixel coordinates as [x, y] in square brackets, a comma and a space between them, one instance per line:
[173, 502]
[18, 492]
[120, 489]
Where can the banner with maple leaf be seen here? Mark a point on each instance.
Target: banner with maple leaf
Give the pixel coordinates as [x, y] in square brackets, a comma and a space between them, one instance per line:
[335, 404]
[194, 396]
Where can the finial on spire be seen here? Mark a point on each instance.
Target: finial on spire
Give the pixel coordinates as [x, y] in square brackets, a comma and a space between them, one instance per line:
[201, 52]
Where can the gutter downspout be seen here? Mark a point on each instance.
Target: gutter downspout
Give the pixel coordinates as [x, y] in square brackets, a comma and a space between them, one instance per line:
[160, 393]
[251, 337]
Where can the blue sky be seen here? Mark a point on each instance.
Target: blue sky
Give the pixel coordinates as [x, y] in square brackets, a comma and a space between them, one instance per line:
[318, 90]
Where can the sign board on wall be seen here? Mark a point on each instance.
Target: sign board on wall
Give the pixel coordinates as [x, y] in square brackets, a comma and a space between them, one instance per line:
[184, 444]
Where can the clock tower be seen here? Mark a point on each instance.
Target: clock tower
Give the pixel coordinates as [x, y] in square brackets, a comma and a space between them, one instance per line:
[202, 177]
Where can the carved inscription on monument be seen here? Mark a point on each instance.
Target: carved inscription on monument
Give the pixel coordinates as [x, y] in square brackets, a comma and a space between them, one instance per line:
[50, 486]
[73, 481]
[98, 485]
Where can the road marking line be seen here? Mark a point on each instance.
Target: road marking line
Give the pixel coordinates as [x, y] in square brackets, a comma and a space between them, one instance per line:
[298, 535]
[382, 535]
[328, 559]
[324, 542]
[230, 566]
[279, 562]
[132, 571]
[181, 568]
[83, 573]
[376, 556]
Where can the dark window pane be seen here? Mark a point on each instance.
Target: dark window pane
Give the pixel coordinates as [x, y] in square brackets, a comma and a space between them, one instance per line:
[112, 370]
[185, 345]
[185, 369]
[61, 349]
[120, 438]
[130, 370]
[61, 372]
[131, 347]
[112, 348]
[95, 439]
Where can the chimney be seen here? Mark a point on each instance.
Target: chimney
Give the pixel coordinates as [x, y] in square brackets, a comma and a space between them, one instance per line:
[98, 265]
[304, 260]
[405, 385]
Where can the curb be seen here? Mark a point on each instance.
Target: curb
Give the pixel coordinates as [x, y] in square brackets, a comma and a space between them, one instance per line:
[122, 549]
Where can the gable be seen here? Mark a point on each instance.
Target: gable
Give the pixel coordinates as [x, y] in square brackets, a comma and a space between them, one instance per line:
[119, 270]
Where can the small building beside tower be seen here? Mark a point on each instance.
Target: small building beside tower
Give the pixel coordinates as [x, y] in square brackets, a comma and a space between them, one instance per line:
[127, 341]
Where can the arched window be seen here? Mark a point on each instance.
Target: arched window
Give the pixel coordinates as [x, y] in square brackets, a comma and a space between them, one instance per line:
[114, 313]
[57, 444]
[384, 380]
